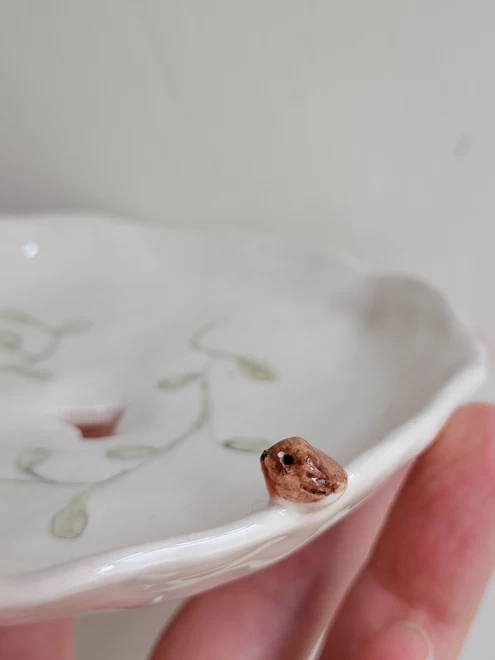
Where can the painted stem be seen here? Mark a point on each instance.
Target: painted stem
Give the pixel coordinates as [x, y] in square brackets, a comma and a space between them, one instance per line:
[81, 498]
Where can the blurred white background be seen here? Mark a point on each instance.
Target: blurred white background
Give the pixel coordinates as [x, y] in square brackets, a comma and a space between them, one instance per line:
[366, 124]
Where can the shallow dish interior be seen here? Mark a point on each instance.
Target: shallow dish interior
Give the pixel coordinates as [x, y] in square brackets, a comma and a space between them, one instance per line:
[211, 347]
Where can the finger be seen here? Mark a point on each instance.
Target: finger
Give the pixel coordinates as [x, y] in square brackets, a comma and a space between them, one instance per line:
[351, 542]
[40, 641]
[423, 584]
[280, 611]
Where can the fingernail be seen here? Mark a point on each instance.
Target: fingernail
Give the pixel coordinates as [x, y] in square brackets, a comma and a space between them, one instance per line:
[414, 639]
[405, 640]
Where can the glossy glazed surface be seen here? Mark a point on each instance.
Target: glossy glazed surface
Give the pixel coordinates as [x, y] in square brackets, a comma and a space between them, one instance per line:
[204, 350]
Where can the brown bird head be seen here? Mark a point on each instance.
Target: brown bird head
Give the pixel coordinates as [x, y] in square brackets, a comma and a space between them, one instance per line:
[297, 472]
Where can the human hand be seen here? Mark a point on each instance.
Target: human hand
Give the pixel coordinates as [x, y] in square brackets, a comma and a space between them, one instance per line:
[414, 596]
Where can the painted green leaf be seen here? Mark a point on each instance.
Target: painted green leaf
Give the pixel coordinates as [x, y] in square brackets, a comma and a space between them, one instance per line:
[176, 382]
[10, 340]
[73, 327]
[31, 372]
[255, 370]
[38, 374]
[130, 452]
[16, 316]
[246, 444]
[69, 522]
[30, 458]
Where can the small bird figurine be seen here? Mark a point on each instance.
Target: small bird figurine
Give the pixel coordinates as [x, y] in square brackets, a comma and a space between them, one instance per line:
[297, 472]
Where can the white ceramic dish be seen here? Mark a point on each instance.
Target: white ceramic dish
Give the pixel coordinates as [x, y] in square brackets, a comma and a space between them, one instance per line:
[215, 346]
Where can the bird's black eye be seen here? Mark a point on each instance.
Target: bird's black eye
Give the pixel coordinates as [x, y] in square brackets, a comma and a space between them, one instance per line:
[288, 459]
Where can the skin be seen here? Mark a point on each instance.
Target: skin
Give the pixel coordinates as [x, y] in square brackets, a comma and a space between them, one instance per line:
[410, 565]
[297, 472]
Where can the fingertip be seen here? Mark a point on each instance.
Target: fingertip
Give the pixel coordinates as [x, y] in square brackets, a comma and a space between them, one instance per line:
[403, 639]
[468, 435]
[471, 417]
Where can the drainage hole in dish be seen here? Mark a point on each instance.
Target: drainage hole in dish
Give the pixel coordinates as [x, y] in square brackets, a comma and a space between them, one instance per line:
[94, 423]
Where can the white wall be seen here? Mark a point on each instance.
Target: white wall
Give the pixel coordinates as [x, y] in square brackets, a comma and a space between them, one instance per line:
[349, 114]
[368, 123]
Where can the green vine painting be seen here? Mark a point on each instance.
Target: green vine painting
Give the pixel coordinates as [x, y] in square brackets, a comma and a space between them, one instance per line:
[71, 521]
[15, 325]
[252, 368]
